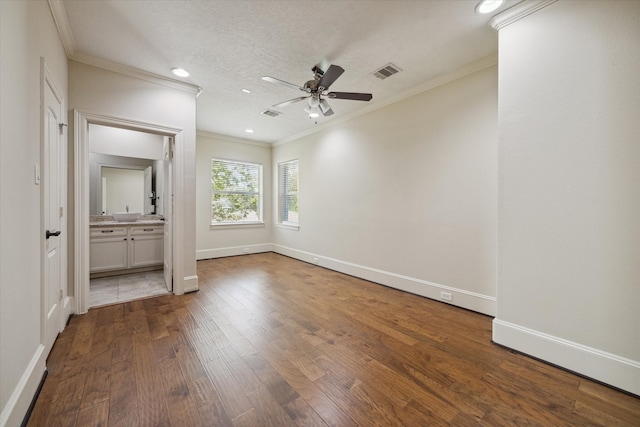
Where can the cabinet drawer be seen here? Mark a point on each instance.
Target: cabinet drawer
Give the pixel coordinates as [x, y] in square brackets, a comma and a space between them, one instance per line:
[108, 232]
[152, 229]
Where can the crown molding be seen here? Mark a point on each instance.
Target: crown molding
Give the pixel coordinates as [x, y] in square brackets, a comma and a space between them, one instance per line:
[62, 24]
[518, 12]
[66, 36]
[136, 73]
[221, 137]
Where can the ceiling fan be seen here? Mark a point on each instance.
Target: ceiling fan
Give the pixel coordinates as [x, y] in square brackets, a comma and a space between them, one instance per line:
[317, 90]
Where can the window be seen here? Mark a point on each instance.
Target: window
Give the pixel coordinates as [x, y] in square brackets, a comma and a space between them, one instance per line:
[236, 192]
[288, 193]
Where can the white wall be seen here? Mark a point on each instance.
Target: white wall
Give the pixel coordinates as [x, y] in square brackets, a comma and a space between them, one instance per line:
[405, 195]
[226, 241]
[99, 91]
[125, 142]
[569, 230]
[27, 33]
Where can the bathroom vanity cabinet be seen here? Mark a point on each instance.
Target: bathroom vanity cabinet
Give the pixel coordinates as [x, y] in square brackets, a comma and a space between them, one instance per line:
[125, 246]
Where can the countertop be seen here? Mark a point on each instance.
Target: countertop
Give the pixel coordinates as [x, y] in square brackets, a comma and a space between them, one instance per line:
[108, 221]
[117, 223]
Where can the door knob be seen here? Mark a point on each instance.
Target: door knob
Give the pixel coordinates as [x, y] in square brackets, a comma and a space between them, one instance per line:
[53, 233]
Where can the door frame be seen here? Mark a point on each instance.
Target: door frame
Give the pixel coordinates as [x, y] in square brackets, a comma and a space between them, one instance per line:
[82, 120]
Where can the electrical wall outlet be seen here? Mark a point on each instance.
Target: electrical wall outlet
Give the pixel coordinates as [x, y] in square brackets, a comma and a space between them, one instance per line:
[315, 260]
[446, 296]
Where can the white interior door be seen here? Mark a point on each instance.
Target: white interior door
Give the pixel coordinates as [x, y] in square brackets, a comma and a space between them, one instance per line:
[52, 207]
[167, 210]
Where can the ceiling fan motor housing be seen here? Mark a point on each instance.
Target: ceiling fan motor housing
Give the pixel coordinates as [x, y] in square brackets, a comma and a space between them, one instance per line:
[311, 85]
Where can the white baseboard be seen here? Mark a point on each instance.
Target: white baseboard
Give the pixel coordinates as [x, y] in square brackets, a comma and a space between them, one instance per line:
[602, 366]
[459, 297]
[18, 404]
[190, 284]
[233, 251]
[67, 307]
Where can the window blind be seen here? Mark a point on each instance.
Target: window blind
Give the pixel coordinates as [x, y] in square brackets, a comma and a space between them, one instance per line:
[288, 193]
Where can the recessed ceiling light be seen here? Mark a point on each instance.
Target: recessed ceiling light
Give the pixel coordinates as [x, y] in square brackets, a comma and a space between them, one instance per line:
[248, 130]
[246, 90]
[180, 72]
[488, 6]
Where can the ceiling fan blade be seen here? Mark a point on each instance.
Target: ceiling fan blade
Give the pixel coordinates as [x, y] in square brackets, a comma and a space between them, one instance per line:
[281, 82]
[289, 102]
[330, 76]
[325, 108]
[350, 95]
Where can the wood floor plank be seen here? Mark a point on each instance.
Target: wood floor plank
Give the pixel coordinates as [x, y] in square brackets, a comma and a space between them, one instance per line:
[123, 395]
[268, 411]
[231, 392]
[96, 415]
[268, 340]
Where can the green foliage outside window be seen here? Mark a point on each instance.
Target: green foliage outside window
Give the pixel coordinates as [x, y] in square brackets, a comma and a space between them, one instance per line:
[235, 195]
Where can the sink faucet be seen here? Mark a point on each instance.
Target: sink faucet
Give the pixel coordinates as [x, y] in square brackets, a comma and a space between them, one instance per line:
[127, 208]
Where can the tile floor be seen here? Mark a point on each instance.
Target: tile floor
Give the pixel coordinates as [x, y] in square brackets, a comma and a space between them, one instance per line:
[127, 287]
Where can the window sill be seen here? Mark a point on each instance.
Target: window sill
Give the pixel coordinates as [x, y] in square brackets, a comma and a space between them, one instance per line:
[229, 225]
[288, 226]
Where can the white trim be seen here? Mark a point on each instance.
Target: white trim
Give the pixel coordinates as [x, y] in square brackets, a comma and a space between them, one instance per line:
[474, 67]
[285, 226]
[62, 24]
[189, 284]
[518, 12]
[233, 251]
[236, 225]
[227, 138]
[18, 404]
[82, 119]
[461, 298]
[135, 73]
[602, 366]
[68, 308]
[81, 213]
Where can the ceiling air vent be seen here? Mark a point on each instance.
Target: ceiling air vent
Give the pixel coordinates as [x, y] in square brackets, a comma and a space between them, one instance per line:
[387, 71]
[271, 113]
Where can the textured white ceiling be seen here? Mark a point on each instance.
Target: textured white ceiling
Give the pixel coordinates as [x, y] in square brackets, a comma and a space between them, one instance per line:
[229, 45]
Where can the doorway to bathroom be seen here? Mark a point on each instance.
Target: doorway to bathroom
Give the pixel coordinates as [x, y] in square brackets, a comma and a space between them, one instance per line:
[126, 207]
[131, 258]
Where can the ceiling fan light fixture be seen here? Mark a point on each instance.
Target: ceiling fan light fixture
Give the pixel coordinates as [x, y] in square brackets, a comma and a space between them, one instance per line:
[313, 111]
[488, 6]
[180, 72]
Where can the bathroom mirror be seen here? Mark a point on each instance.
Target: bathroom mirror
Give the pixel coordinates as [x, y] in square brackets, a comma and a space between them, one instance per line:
[123, 189]
[124, 154]
[117, 182]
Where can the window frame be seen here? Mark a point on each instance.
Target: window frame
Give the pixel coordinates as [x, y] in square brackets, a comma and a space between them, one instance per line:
[279, 222]
[259, 194]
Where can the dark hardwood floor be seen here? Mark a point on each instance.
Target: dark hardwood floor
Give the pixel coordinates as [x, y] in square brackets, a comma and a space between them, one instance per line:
[271, 341]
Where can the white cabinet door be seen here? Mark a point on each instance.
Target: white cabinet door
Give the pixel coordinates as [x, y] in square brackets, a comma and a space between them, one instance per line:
[109, 253]
[146, 244]
[108, 249]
